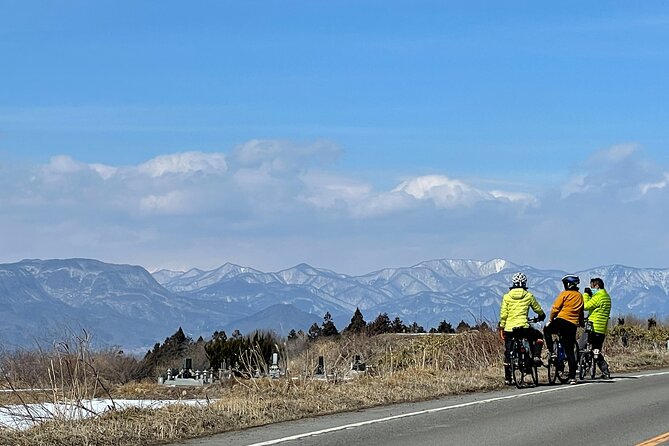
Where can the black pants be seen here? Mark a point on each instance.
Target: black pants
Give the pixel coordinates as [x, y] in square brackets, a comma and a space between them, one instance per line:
[533, 335]
[597, 341]
[567, 331]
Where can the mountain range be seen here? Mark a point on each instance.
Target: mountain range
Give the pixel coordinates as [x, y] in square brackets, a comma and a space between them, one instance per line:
[125, 305]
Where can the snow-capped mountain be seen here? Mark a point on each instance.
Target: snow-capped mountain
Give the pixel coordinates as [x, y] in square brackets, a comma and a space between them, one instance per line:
[434, 290]
[127, 306]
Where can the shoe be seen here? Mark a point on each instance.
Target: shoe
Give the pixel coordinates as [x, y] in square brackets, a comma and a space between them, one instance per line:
[508, 382]
[538, 362]
[605, 376]
[573, 381]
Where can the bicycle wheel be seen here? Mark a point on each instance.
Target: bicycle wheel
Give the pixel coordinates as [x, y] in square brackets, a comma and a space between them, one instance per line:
[593, 367]
[583, 365]
[561, 372]
[518, 370]
[552, 366]
[561, 364]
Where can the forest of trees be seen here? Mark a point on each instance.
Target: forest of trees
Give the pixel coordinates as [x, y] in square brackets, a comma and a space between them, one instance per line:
[382, 324]
[233, 351]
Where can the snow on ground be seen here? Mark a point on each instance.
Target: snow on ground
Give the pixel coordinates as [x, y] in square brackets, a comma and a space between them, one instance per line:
[20, 416]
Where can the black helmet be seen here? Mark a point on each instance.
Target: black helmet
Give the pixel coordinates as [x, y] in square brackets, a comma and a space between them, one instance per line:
[570, 281]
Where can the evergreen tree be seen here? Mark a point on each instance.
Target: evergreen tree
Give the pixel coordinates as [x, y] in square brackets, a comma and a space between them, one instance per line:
[398, 326]
[380, 325]
[328, 326]
[415, 328]
[462, 326]
[357, 324]
[445, 327]
[174, 347]
[314, 331]
[236, 351]
[483, 326]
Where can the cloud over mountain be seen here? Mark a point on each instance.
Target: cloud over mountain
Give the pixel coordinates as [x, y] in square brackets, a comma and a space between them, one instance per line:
[272, 202]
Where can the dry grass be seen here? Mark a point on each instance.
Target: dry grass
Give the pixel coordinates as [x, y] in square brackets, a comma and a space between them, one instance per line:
[252, 403]
[402, 369]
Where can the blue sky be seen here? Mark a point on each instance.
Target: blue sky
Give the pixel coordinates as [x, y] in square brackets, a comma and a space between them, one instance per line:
[350, 135]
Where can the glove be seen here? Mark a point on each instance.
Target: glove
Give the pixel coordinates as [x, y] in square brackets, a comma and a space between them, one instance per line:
[541, 317]
[587, 291]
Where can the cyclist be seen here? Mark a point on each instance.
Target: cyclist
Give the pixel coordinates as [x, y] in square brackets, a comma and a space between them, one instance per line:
[513, 314]
[598, 305]
[565, 317]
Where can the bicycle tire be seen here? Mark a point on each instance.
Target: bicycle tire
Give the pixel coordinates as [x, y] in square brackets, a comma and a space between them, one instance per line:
[517, 373]
[562, 373]
[552, 376]
[593, 368]
[552, 366]
[583, 365]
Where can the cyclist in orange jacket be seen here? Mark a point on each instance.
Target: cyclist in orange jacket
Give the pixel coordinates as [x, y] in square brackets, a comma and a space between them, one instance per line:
[565, 317]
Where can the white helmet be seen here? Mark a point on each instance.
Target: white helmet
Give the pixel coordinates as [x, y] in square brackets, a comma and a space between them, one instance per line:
[519, 280]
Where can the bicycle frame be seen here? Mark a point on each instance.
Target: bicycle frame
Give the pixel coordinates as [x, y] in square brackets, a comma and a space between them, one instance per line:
[521, 360]
[586, 359]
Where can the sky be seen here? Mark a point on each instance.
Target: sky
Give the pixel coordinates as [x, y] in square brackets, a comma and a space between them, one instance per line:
[350, 135]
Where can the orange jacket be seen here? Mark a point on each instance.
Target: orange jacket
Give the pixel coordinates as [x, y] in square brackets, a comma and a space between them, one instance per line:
[568, 306]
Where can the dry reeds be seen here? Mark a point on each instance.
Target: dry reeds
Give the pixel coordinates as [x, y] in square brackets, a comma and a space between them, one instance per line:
[400, 368]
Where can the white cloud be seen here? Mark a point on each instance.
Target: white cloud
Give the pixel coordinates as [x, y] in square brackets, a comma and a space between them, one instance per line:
[63, 164]
[184, 163]
[515, 197]
[615, 154]
[325, 190]
[576, 184]
[106, 172]
[645, 187]
[272, 195]
[283, 156]
[173, 202]
[450, 193]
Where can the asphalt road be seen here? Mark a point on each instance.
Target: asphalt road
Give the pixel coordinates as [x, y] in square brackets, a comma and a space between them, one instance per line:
[627, 410]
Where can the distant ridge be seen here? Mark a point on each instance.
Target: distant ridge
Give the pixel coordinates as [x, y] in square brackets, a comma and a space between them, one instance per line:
[125, 305]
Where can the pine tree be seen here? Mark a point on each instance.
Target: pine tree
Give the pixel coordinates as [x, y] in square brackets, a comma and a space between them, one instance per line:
[398, 326]
[357, 324]
[314, 331]
[380, 325]
[328, 327]
[445, 327]
[462, 326]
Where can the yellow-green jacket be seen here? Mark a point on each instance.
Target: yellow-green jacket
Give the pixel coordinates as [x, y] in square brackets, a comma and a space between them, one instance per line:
[599, 306]
[515, 307]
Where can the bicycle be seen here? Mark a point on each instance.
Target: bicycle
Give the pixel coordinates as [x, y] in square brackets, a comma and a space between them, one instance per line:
[557, 361]
[587, 364]
[522, 363]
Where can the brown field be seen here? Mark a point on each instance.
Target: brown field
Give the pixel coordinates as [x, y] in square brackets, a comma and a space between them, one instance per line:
[401, 368]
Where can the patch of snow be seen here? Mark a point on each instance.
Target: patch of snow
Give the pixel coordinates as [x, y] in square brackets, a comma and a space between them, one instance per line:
[22, 417]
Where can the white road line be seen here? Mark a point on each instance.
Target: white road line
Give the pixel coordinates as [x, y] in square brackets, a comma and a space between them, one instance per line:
[434, 410]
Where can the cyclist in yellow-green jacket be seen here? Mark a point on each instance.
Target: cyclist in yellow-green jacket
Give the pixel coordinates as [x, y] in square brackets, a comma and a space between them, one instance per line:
[598, 303]
[513, 313]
